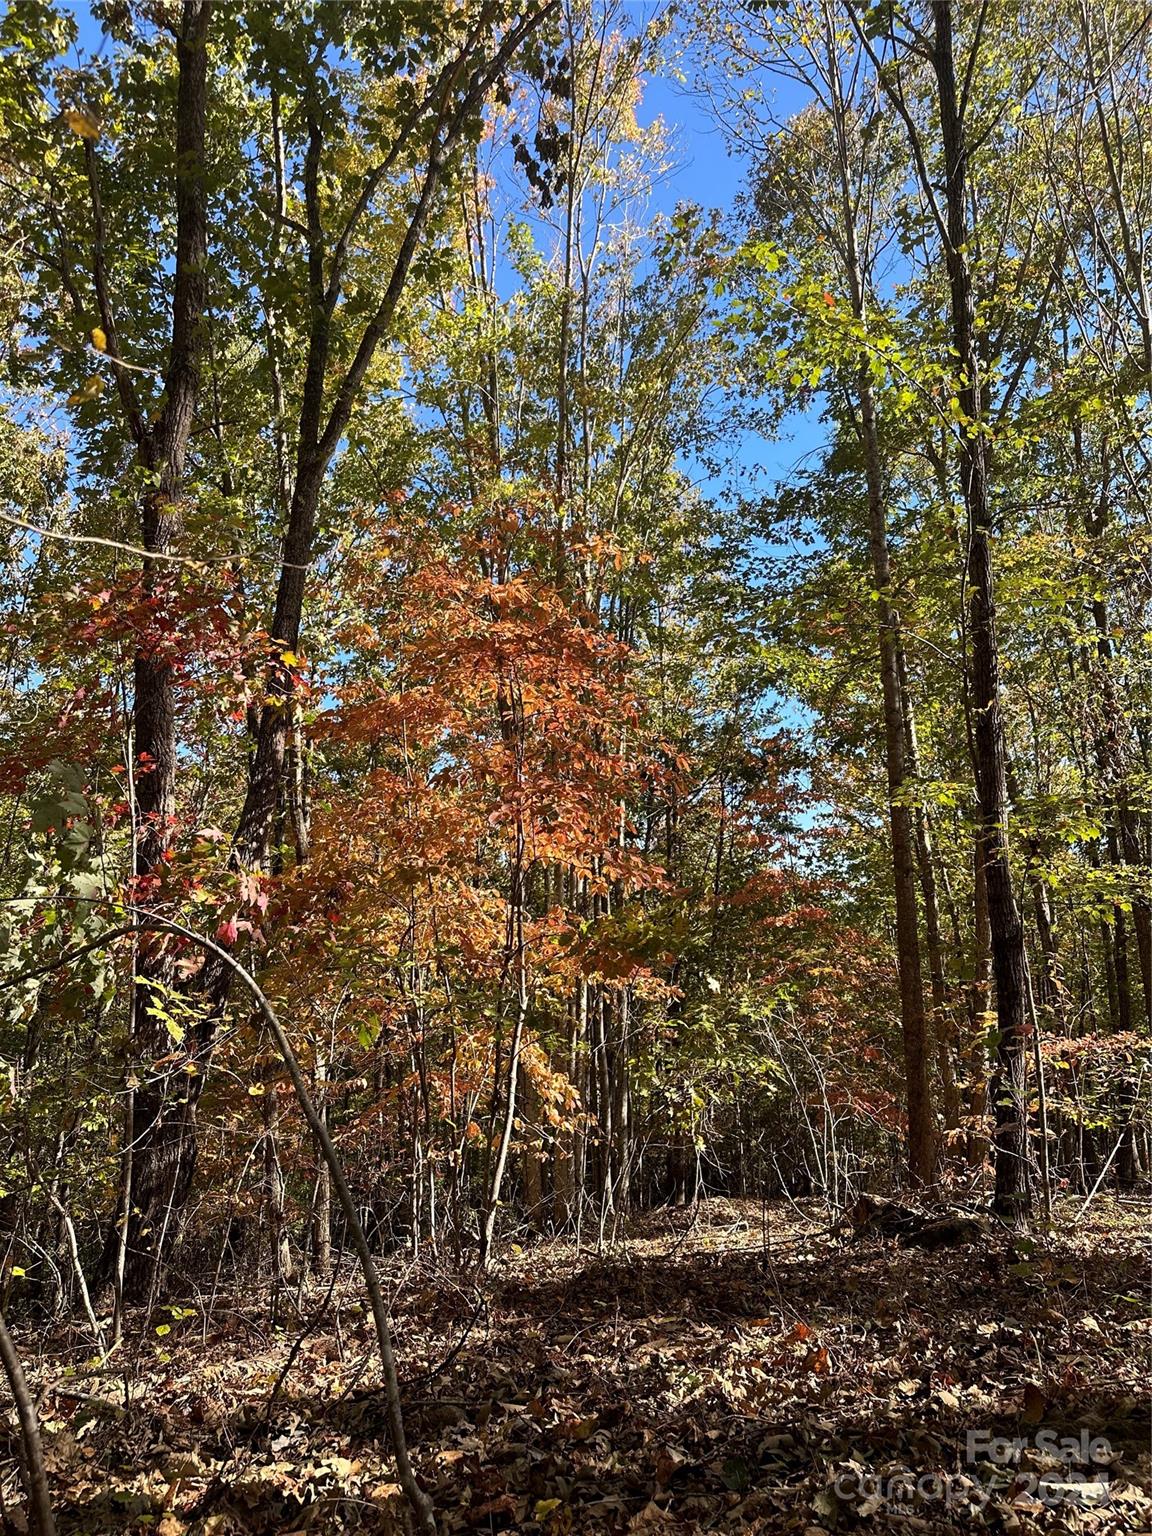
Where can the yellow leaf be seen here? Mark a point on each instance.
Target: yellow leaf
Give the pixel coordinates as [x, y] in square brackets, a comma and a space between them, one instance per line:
[544, 1507]
[82, 123]
[290, 658]
[99, 340]
[91, 389]
[255, 1089]
[16, 1270]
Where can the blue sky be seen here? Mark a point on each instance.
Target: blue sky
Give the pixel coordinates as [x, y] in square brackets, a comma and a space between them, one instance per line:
[708, 173]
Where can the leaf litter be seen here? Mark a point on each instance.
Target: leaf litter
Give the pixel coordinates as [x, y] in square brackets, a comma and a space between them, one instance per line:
[740, 1369]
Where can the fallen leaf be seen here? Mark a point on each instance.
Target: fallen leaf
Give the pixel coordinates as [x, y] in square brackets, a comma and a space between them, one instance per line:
[1035, 1404]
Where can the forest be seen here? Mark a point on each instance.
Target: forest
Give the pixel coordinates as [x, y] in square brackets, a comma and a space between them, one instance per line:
[575, 766]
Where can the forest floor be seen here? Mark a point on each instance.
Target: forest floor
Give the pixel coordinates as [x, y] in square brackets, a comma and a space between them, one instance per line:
[739, 1368]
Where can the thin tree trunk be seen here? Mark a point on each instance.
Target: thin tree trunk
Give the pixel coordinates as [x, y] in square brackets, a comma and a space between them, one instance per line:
[921, 1141]
[1013, 1198]
[322, 1201]
[979, 1007]
[942, 1030]
[32, 1459]
[914, 1031]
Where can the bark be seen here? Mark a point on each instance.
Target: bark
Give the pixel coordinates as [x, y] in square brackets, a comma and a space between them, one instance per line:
[914, 1029]
[322, 1200]
[941, 1031]
[162, 1151]
[979, 1006]
[1012, 1199]
[921, 1136]
[531, 1157]
[275, 1186]
[165, 1156]
[32, 1457]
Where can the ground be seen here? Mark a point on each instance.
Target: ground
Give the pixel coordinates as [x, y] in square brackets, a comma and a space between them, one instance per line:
[735, 1369]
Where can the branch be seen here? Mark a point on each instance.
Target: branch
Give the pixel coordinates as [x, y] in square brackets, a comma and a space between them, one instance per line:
[127, 549]
[417, 1498]
[896, 97]
[137, 425]
[485, 76]
[32, 1461]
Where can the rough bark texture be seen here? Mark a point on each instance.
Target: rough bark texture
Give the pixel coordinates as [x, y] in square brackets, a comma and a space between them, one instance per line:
[1013, 1190]
[163, 1111]
[914, 1029]
[32, 1457]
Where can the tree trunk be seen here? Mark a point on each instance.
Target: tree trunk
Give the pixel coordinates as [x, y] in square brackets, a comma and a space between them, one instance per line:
[914, 1031]
[921, 1137]
[1013, 1197]
[942, 1031]
[32, 1454]
[162, 1155]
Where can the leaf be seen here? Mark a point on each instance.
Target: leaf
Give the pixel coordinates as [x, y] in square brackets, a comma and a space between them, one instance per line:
[99, 339]
[16, 1270]
[91, 389]
[817, 1361]
[1035, 1404]
[669, 1462]
[735, 1474]
[81, 122]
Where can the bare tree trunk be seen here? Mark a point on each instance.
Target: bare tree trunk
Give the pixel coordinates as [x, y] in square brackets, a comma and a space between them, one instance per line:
[531, 1157]
[274, 1186]
[942, 1030]
[914, 1030]
[162, 1142]
[921, 1137]
[32, 1459]
[1013, 1197]
[979, 1007]
[322, 1200]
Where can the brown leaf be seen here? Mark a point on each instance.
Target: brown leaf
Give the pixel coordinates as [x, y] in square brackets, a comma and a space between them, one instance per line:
[1035, 1404]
